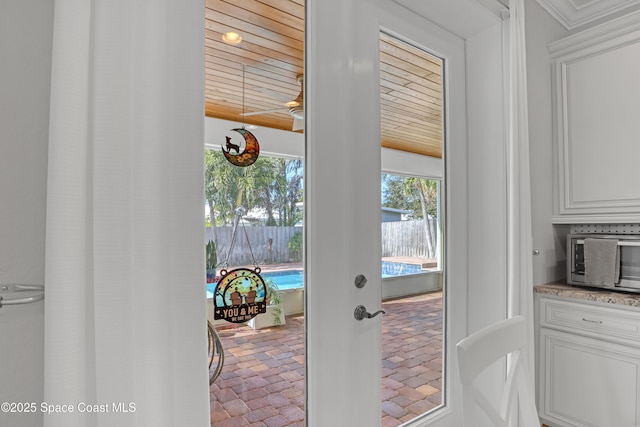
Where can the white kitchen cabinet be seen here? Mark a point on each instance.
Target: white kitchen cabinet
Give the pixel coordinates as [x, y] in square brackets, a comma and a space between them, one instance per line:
[596, 126]
[588, 364]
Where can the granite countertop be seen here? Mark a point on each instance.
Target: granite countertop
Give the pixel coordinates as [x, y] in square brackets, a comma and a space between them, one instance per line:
[588, 294]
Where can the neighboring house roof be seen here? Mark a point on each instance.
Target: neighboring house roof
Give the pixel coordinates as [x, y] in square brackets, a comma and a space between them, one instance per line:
[393, 215]
[402, 211]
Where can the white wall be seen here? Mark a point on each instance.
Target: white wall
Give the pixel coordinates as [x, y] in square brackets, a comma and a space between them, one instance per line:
[541, 29]
[25, 53]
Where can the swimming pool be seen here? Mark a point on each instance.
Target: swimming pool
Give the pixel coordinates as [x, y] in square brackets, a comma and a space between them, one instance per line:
[294, 279]
[286, 279]
[392, 269]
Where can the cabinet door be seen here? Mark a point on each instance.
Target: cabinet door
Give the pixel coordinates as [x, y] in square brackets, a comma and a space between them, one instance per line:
[586, 382]
[596, 109]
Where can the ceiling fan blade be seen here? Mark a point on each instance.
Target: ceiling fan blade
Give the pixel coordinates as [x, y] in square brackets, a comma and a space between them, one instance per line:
[275, 110]
[274, 94]
[298, 124]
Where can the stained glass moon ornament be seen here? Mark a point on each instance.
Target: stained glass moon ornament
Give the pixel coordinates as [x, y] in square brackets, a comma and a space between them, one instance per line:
[250, 153]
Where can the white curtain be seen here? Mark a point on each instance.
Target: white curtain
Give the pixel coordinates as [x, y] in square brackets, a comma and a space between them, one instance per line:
[125, 313]
[520, 276]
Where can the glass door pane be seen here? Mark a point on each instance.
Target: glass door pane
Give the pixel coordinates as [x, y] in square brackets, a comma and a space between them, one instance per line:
[254, 63]
[261, 379]
[412, 264]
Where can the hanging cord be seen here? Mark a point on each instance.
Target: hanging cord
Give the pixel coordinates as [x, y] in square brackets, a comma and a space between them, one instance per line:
[242, 96]
[255, 263]
[240, 211]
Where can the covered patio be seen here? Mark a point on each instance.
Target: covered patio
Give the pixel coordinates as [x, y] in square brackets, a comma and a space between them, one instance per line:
[262, 383]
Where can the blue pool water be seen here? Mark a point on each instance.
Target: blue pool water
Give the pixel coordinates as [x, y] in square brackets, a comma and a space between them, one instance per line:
[392, 269]
[286, 279]
[294, 279]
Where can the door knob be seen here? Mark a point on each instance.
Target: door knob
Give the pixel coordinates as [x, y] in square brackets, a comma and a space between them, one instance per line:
[361, 313]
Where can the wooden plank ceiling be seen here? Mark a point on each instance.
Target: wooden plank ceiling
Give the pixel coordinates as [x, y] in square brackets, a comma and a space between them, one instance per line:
[271, 56]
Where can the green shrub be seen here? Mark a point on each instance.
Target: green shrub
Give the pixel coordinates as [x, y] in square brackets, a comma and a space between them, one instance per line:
[295, 246]
[211, 255]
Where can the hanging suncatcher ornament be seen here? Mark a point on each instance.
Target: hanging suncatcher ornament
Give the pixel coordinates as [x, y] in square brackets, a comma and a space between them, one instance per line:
[251, 151]
[241, 293]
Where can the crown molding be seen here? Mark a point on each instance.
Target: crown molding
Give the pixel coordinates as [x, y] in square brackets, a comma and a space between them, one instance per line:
[575, 13]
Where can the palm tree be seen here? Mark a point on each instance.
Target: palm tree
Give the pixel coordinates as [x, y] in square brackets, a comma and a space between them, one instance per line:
[427, 192]
[420, 197]
[227, 186]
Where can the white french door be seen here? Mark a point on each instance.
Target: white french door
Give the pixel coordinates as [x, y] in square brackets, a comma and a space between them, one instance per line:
[343, 210]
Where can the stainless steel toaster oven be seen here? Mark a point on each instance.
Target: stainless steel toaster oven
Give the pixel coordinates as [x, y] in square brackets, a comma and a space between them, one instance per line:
[629, 258]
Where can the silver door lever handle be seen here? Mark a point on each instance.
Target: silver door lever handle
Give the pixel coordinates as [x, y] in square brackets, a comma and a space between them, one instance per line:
[361, 313]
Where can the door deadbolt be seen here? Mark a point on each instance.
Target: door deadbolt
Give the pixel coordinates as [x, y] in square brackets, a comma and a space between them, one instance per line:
[360, 281]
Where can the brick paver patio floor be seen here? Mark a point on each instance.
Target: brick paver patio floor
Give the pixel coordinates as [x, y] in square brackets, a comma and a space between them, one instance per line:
[262, 383]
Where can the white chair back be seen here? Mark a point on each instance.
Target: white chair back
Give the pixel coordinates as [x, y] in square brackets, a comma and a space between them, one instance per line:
[480, 350]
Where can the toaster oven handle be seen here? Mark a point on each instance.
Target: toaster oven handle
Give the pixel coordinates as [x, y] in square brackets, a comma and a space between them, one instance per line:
[620, 242]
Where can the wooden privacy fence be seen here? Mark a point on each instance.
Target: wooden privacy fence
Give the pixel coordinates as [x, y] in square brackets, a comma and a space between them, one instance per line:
[407, 238]
[269, 244]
